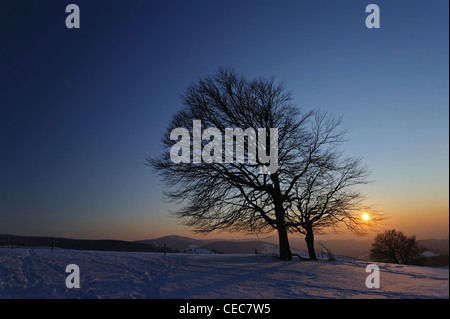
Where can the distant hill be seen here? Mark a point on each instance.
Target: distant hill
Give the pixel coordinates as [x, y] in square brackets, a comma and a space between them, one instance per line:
[359, 248]
[438, 246]
[175, 242]
[346, 247]
[216, 245]
[437, 249]
[79, 244]
[240, 247]
[355, 248]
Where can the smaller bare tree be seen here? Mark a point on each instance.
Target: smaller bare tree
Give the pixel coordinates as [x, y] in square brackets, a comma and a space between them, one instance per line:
[395, 247]
[326, 195]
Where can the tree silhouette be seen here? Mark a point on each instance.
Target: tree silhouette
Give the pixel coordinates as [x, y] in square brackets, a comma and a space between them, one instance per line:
[239, 196]
[326, 195]
[395, 247]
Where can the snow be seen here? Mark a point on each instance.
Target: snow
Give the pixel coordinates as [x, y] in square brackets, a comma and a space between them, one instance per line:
[40, 273]
[429, 254]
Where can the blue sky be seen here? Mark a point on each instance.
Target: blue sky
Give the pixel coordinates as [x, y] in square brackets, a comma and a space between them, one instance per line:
[81, 108]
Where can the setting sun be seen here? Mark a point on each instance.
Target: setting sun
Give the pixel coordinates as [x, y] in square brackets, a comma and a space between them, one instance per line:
[365, 217]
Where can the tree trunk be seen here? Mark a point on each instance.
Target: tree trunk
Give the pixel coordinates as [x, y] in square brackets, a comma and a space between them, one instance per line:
[310, 243]
[285, 250]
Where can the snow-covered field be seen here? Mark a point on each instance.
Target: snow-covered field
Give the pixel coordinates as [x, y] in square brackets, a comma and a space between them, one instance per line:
[40, 273]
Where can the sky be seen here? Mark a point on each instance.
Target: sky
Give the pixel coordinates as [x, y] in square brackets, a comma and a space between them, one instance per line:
[80, 109]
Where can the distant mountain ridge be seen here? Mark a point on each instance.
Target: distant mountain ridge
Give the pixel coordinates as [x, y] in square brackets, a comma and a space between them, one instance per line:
[345, 247]
[79, 244]
[216, 245]
[175, 241]
[359, 249]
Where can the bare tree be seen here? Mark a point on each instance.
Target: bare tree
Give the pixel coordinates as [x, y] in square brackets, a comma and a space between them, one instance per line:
[395, 247]
[326, 195]
[238, 196]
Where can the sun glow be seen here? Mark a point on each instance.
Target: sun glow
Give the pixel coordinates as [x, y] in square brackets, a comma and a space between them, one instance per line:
[365, 217]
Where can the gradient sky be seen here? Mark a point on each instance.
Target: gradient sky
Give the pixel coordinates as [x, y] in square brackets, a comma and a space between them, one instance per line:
[81, 108]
